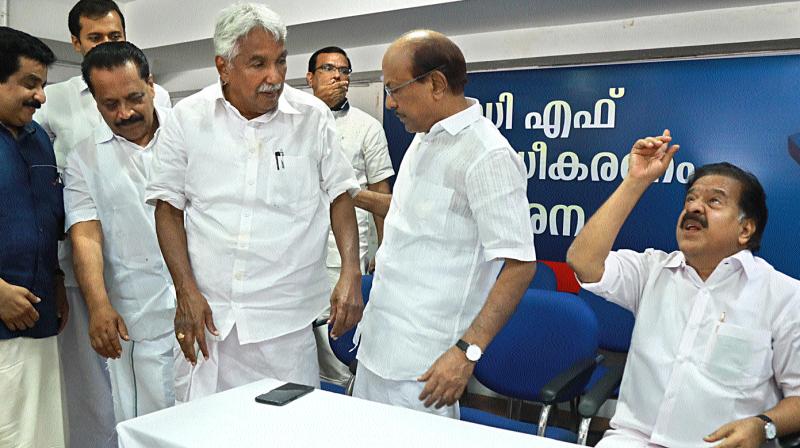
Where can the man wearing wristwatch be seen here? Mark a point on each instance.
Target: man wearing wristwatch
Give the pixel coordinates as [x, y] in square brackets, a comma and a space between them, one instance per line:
[459, 216]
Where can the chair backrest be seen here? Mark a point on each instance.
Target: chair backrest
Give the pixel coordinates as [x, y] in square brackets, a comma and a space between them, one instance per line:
[343, 346]
[615, 322]
[549, 332]
[545, 278]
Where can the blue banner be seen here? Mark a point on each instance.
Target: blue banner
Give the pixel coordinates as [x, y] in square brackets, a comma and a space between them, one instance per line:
[574, 127]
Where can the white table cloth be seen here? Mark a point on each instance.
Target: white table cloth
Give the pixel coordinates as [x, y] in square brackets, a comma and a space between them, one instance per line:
[234, 419]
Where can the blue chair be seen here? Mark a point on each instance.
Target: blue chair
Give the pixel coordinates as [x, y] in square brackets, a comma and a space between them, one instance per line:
[546, 353]
[545, 278]
[343, 347]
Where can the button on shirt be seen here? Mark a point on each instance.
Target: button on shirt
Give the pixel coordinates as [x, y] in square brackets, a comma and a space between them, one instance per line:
[364, 145]
[255, 195]
[703, 354]
[31, 222]
[459, 208]
[70, 116]
[105, 178]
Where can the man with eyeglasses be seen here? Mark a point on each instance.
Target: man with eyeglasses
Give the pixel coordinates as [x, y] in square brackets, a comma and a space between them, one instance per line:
[32, 302]
[364, 145]
[458, 218]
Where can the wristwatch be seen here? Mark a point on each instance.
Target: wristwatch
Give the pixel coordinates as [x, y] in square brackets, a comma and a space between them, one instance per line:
[472, 351]
[769, 427]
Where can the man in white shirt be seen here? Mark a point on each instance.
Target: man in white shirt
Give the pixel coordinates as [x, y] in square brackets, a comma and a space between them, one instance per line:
[244, 174]
[458, 218]
[364, 145]
[715, 354]
[118, 263]
[70, 116]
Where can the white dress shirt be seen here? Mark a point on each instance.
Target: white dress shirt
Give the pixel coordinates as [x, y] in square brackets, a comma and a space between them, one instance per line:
[703, 354]
[70, 116]
[255, 195]
[364, 145]
[459, 208]
[105, 177]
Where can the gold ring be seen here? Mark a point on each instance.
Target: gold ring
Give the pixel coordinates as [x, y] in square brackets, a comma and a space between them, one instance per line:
[180, 336]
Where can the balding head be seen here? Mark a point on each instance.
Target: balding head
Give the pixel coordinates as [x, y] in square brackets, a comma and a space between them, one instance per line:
[429, 50]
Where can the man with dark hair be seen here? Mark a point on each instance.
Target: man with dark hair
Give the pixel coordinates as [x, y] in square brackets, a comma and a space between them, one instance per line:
[118, 263]
[458, 218]
[365, 147]
[32, 303]
[715, 354]
[70, 116]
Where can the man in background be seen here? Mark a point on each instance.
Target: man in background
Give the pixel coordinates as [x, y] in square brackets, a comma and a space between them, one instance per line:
[364, 145]
[32, 304]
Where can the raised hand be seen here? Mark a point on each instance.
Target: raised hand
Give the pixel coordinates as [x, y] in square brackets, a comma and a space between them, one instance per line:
[650, 157]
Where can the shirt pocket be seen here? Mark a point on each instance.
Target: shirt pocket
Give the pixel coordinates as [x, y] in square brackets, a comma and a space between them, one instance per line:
[738, 356]
[293, 181]
[428, 207]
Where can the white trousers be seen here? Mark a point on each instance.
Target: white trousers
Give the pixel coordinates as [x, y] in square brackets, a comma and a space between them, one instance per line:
[142, 379]
[87, 387]
[31, 414]
[629, 438]
[331, 369]
[370, 386]
[291, 357]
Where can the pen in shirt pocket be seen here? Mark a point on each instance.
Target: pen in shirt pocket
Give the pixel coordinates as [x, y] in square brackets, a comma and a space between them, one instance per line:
[279, 160]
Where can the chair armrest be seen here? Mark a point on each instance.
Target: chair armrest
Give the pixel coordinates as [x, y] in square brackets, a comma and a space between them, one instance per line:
[790, 441]
[602, 390]
[568, 383]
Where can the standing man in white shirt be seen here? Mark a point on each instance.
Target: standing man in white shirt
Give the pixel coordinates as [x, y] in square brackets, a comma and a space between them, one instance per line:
[458, 218]
[118, 263]
[70, 116]
[715, 354]
[244, 174]
[364, 144]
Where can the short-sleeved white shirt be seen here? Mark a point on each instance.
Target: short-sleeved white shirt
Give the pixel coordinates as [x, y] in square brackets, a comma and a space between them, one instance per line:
[255, 195]
[364, 145]
[104, 180]
[458, 209]
[703, 354]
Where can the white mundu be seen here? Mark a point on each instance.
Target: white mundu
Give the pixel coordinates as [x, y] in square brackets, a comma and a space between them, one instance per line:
[69, 116]
[255, 197]
[105, 178]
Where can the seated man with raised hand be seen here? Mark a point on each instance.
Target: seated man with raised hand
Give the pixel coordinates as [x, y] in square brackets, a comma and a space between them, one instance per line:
[715, 354]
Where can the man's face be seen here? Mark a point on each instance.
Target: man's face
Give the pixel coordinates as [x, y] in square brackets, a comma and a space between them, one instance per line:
[412, 103]
[125, 101]
[22, 93]
[709, 225]
[330, 86]
[96, 31]
[253, 79]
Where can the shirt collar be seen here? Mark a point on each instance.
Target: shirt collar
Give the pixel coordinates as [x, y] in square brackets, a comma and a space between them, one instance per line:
[344, 106]
[743, 258]
[283, 104]
[104, 134]
[459, 121]
[82, 86]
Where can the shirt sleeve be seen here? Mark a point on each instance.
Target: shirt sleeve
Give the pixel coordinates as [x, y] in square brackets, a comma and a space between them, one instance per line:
[496, 191]
[42, 117]
[786, 349]
[623, 279]
[336, 174]
[78, 202]
[168, 178]
[377, 162]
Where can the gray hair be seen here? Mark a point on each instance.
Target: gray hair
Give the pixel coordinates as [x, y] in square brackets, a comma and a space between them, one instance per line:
[235, 21]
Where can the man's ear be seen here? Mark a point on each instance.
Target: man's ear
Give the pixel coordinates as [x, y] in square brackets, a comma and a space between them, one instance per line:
[76, 44]
[222, 68]
[309, 78]
[747, 227]
[439, 83]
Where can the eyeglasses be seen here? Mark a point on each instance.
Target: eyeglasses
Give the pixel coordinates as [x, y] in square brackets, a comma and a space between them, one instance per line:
[391, 90]
[330, 68]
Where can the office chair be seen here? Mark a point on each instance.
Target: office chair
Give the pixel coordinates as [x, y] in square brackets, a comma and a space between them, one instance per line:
[343, 347]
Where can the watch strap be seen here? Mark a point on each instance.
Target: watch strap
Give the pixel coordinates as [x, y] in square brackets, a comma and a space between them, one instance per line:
[462, 344]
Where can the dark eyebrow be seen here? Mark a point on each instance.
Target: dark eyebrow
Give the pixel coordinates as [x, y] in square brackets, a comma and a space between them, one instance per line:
[33, 77]
[713, 190]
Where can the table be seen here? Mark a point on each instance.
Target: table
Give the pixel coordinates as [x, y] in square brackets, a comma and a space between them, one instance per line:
[234, 419]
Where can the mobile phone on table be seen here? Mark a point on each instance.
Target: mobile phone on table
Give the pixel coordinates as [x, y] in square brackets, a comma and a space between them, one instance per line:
[284, 394]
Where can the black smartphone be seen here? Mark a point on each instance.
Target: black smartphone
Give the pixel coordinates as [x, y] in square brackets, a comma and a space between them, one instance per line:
[284, 394]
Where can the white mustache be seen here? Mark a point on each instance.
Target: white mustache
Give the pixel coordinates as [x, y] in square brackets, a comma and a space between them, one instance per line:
[270, 88]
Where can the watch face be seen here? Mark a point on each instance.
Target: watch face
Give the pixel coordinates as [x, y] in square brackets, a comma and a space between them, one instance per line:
[771, 431]
[474, 353]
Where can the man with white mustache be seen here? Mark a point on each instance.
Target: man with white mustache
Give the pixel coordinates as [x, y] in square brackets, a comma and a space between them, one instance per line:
[247, 173]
